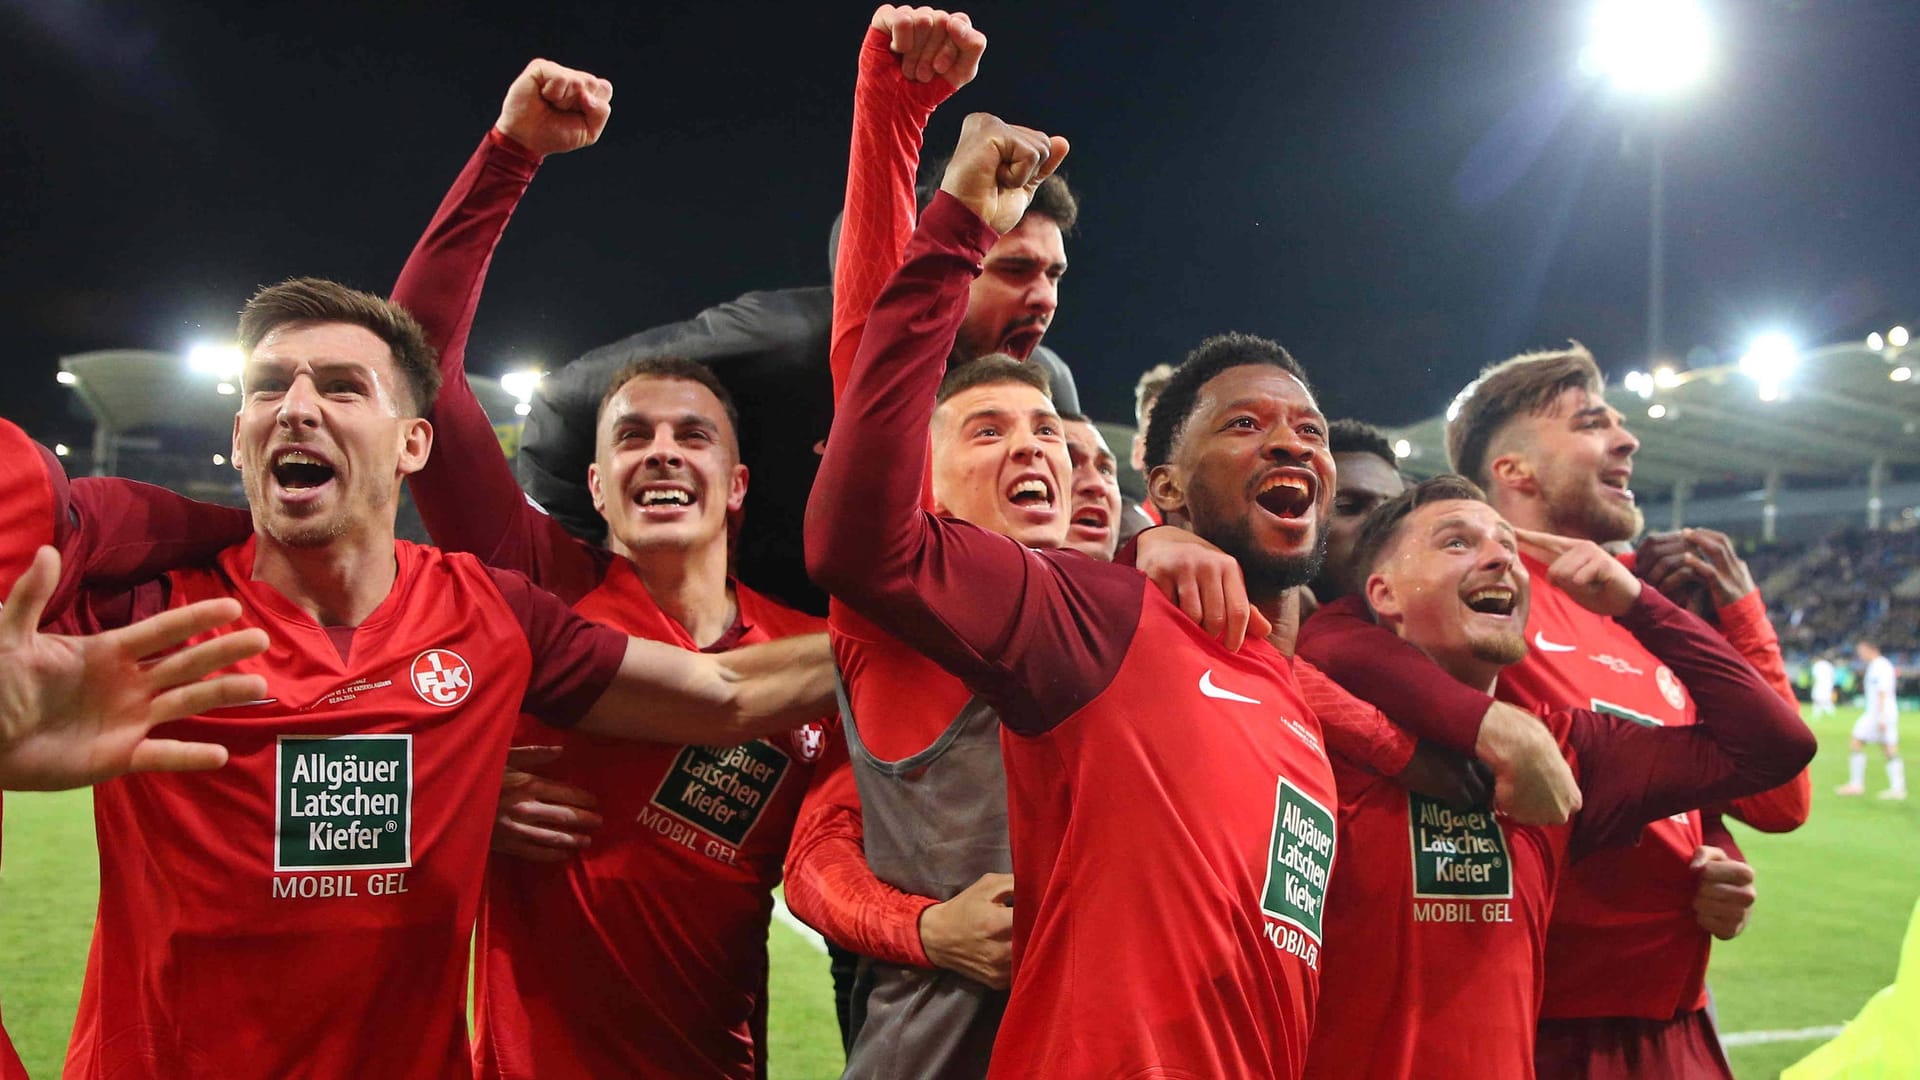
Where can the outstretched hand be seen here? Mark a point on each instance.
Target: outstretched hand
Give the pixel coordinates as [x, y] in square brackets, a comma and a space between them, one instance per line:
[552, 109]
[997, 167]
[932, 43]
[1584, 571]
[76, 710]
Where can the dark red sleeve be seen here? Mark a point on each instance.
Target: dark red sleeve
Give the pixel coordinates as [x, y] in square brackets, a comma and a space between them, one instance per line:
[1373, 664]
[1354, 729]
[1746, 740]
[829, 885]
[468, 498]
[890, 114]
[574, 661]
[1747, 628]
[123, 531]
[1037, 634]
[1713, 831]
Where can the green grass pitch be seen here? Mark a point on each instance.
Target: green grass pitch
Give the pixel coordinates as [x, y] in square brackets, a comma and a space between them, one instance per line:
[1834, 901]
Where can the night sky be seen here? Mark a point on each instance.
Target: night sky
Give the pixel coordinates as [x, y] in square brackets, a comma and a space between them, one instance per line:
[1399, 192]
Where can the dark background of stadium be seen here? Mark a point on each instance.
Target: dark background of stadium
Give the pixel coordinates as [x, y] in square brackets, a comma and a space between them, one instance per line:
[1400, 192]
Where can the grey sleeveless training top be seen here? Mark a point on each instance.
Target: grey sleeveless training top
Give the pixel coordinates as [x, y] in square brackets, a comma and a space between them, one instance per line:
[934, 823]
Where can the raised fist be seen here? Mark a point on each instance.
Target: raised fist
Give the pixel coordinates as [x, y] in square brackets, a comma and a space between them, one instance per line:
[932, 43]
[552, 109]
[997, 167]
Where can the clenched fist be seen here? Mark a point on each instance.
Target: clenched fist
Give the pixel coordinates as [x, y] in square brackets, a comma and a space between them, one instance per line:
[552, 109]
[997, 167]
[932, 43]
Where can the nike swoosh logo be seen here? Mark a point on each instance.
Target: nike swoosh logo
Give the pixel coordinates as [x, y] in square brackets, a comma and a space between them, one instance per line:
[1212, 691]
[1540, 642]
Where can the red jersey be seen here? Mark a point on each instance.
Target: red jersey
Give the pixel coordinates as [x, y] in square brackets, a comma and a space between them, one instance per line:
[1170, 805]
[1624, 940]
[1437, 933]
[306, 911]
[646, 953]
[32, 503]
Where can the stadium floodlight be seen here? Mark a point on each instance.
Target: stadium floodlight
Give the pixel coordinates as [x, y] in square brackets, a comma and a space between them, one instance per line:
[521, 384]
[1402, 448]
[219, 459]
[1665, 377]
[61, 449]
[1648, 47]
[522, 408]
[1656, 410]
[1900, 374]
[1897, 337]
[224, 387]
[1876, 342]
[221, 361]
[65, 378]
[1638, 382]
[1770, 359]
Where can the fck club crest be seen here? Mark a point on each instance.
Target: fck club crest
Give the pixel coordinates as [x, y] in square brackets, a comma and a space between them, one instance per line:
[441, 678]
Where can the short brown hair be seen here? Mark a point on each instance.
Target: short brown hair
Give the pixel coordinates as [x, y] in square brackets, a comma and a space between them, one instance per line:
[1378, 531]
[671, 367]
[1528, 385]
[317, 300]
[988, 370]
[1145, 392]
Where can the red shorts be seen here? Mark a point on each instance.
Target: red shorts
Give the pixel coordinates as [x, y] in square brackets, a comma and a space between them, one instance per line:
[1630, 1048]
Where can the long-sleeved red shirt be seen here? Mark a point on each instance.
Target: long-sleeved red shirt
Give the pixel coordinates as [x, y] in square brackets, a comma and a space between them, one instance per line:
[1437, 933]
[1169, 802]
[829, 884]
[646, 953]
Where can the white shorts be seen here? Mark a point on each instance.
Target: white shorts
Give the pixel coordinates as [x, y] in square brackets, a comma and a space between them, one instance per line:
[1823, 695]
[1870, 729]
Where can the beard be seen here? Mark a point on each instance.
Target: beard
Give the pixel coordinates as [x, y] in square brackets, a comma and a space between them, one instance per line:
[1587, 514]
[1267, 575]
[1502, 649]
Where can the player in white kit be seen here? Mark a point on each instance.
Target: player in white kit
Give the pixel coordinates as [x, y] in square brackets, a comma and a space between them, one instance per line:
[1822, 687]
[1879, 724]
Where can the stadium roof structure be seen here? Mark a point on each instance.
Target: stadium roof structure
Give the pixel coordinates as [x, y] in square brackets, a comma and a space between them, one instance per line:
[1843, 410]
[136, 391]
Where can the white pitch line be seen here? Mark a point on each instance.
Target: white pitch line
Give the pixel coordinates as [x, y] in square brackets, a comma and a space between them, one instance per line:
[1754, 1038]
[807, 933]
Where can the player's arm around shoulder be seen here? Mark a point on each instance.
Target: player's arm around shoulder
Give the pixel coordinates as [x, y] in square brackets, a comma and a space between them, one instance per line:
[668, 694]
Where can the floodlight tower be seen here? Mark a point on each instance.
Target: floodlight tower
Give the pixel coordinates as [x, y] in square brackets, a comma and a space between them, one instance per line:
[1651, 50]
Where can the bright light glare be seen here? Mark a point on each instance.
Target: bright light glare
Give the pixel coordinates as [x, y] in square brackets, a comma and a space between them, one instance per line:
[1665, 377]
[65, 378]
[521, 384]
[1656, 411]
[1638, 382]
[522, 408]
[222, 361]
[1769, 391]
[1648, 46]
[224, 388]
[1897, 337]
[1402, 448]
[219, 459]
[1770, 359]
[1900, 374]
[60, 449]
[1875, 341]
